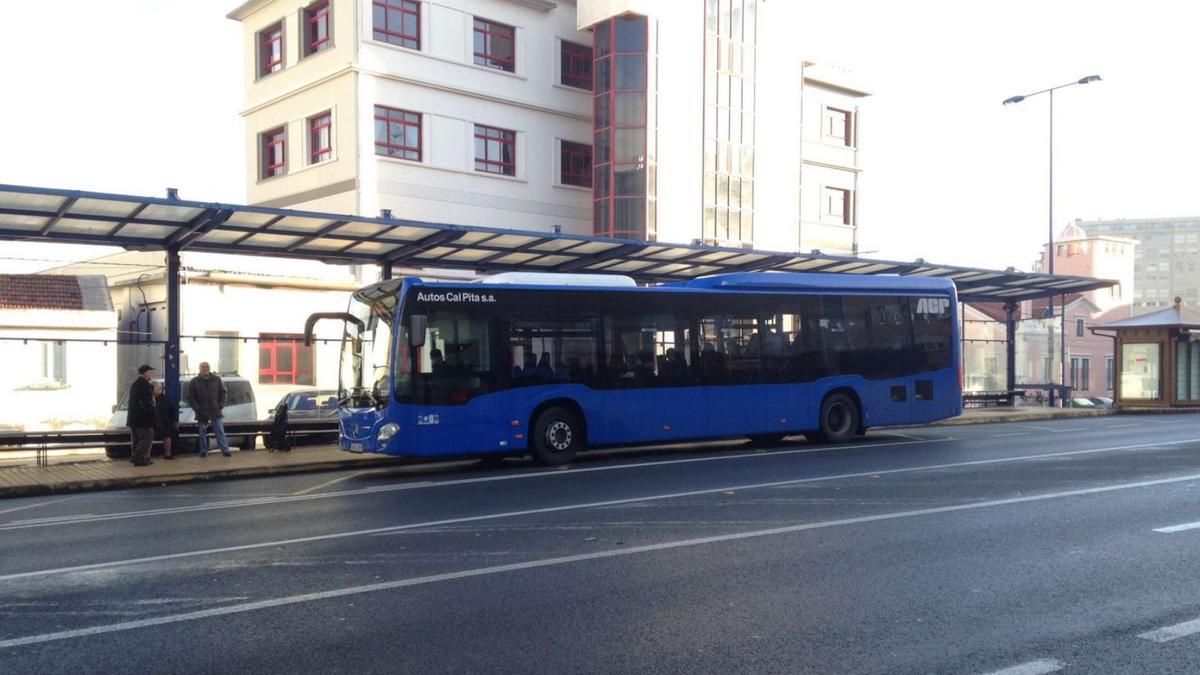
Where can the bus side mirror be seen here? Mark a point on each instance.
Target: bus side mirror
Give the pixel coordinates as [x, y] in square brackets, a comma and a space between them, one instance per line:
[417, 325]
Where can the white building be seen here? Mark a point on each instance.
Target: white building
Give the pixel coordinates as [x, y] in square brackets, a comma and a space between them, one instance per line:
[672, 121]
[58, 344]
[244, 315]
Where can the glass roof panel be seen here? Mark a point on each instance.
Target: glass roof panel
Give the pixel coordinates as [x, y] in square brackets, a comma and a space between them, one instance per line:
[177, 214]
[143, 231]
[548, 260]
[273, 240]
[593, 247]
[30, 202]
[78, 226]
[407, 232]
[22, 222]
[104, 207]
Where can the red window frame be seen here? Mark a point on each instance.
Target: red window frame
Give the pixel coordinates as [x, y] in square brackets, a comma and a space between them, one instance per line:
[296, 368]
[393, 34]
[274, 163]
[270, 50]
[316, 15]
[392, 117]
[575, 69]
[575, 164]
[507, 141]
[492, 33]
[320, 149]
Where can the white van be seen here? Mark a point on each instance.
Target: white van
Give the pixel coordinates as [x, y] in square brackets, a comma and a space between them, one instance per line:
[239, 407]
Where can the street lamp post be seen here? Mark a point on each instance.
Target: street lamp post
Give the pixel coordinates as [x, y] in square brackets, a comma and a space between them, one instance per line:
[1050, 234]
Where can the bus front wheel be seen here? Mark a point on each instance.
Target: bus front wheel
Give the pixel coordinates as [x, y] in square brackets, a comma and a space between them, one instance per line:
[557, 436]
[839, 418]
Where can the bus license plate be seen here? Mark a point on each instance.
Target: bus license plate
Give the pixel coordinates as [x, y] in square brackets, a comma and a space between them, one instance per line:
[356, 447]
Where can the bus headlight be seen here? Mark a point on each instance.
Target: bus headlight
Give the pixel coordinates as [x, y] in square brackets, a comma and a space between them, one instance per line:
[387, 431]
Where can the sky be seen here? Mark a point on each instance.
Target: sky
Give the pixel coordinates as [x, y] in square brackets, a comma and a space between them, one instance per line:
[135, 96]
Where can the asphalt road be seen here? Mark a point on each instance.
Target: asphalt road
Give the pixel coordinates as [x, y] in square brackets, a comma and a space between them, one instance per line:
[1031, 547]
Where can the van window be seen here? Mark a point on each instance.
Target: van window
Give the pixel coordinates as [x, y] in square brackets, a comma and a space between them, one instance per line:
[238, 392]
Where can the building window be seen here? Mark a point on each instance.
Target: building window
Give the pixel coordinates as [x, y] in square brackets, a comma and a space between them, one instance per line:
[320, 138]
[284, 359]
[270, 50]
[1108, 373]
[1080, 373]
[315, 20]
[575, 66]
[494, 45]
[397, 22]
[227, 350]
[1078, 327]
[397, 133]
[495, 150]
[576, 164]
[838, 205]
[54, 362]
[839, 126]
[273, 153]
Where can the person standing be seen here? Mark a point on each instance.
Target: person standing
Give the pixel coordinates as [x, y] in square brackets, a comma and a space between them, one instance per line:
[206, 394]
[140, 417]
[166, 420]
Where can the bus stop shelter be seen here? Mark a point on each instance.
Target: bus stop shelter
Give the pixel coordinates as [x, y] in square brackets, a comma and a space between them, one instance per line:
[1157, 358]
[172, 225]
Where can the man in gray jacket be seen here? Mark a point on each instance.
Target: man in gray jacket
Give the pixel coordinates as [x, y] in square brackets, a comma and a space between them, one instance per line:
[206, 395]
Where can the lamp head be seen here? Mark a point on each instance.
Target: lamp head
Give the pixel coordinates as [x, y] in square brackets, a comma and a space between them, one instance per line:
[1014, 99]
[1089, 78]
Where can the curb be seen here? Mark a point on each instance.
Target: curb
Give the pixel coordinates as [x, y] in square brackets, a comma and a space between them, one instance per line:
[42, 489]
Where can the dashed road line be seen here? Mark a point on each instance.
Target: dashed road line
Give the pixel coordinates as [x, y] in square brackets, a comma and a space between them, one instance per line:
[1038, 667]
[1178, 528]
[1169, 633]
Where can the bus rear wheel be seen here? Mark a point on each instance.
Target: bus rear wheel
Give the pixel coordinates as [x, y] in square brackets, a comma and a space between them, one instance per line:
[557, 436]
[839, 418]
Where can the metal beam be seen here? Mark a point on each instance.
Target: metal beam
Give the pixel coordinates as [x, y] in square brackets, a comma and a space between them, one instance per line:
[1010, 346]
[58, 214]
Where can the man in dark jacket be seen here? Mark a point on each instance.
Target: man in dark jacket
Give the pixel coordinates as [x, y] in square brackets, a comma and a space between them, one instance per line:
[140, 418]
[206, 394]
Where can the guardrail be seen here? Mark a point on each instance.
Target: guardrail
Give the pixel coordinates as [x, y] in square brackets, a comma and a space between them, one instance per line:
[42, 442]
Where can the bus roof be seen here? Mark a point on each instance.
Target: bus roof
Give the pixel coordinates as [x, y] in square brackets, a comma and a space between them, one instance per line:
[808, 282]
[793, 281]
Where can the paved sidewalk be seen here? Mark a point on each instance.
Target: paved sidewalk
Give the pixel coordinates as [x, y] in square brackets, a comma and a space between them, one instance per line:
[102, 473]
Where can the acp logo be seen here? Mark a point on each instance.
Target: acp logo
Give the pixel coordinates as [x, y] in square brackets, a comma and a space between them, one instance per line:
[933, 305]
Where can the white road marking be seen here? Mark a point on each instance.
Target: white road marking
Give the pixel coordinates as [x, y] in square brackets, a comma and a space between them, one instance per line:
[332, 481]
[1063, 430]
[1038, 667]
[1168, 633]
[1122, 426]
[421, 485]
[37, 504]
[564, 560]
[1178, 528]
[1019, 433]
[618, 502]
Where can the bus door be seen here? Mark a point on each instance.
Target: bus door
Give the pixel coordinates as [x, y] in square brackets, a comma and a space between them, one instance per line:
[452, 369]
[730, 370]
[649, 379]
[788, 368]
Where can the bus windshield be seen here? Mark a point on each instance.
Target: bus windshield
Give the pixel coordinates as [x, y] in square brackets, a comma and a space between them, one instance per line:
[365, 366]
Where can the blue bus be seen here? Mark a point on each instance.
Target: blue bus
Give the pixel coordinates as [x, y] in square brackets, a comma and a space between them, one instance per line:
[550, 364]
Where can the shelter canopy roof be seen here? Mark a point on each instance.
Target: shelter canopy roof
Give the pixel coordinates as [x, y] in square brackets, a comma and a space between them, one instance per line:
[73, 216]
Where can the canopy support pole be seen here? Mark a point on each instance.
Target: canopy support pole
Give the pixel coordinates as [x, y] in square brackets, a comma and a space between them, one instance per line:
[171, 369]
[1010, 344]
